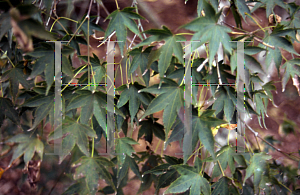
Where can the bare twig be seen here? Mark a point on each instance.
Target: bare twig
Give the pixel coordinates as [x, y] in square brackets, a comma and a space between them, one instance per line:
[289, 155]
[265, 44]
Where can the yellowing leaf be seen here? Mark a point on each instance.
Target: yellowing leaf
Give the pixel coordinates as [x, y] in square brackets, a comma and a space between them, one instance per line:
[1, 172]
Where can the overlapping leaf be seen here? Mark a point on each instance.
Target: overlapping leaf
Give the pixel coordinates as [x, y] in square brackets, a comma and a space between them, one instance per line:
[45, 63]
[140, 59]
[16, 76]
[80, 188]
[119, 20]
[130, 93]
[28, 145]
[76, 134]
[270, 5]
[201, 129]
[123, 147]
[170, 99]
[278, 40]
[292, 68]
[203, 126]
[207, 30]
[242, 8]
[189, 179]
[224, 186]
[201, 5]
[129, 162]
[44, 104]
[91, 103]
[295, 18]
[93, 27]
[226, 156]
[149, 127]
[261, 103]
[170, 47]
[258, 166]
[225, 100]
[98, 69]
[147, 179]
[8, 111]
[167, 174]
[94, 169]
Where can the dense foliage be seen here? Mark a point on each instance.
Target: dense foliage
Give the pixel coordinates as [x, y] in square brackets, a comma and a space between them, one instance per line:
[27, 94]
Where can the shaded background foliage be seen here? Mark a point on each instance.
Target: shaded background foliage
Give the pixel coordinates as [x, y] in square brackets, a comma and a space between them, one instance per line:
[27, 67]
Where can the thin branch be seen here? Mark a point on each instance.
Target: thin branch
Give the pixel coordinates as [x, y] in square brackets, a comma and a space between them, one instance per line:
[117, 4]
[289, 155]
[265, 44]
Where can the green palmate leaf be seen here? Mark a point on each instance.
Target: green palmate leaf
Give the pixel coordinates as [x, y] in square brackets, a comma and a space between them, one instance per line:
[149, 127]
[165, 53]
[28, 145]
[45, 63]
[226, 156]
[130, 93]
[225, 100]
[167, 174]
[45, 106]
[295, 20]
[8, 111]
[5, 24]
[78, 188]
[94, 169]
[224, 186]
[166, 179]
[291, 69]
[123, 147]
[92, 104]
[270, 4]
[258, 166]
[140, 59]
[119, 20]
[207, 30]
[268, 87]
[98, 69]
[129, 162]
[170, 47]
[242, 8]
[93, 27]
[77, 134]
[251, 66]
[201, 5]
[201, 129]
[261, 103]
[277, 39]
[147, 179]
[170, 99]
[202, 126]
[189, 179]
[250, 62]
[16, 76]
